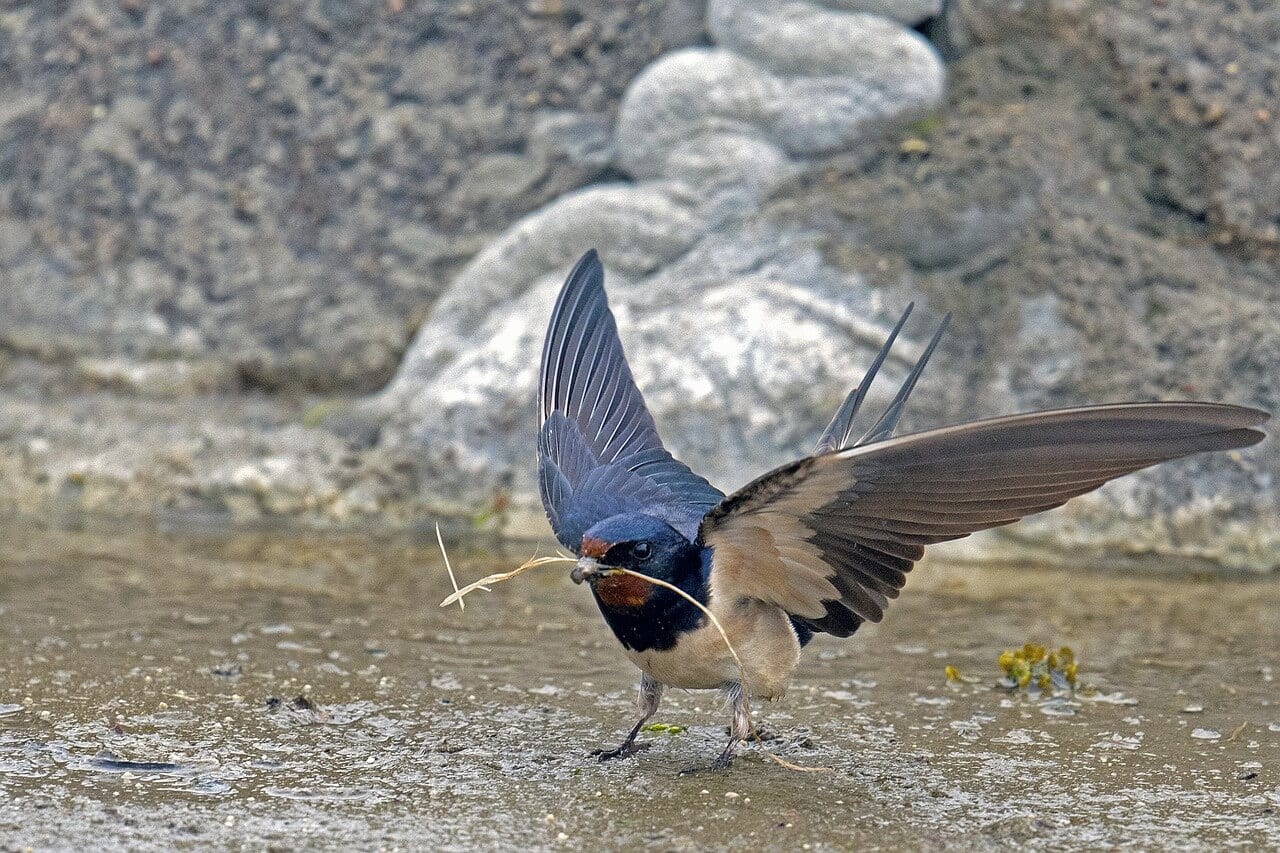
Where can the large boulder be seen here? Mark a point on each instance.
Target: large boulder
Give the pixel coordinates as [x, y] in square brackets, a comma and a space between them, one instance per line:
[736, 327]
[788, 203]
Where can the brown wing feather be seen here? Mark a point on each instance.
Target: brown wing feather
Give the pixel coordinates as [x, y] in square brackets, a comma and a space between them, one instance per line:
[831, 538]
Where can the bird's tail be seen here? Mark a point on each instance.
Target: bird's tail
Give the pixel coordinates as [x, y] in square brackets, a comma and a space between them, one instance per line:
[836, 435]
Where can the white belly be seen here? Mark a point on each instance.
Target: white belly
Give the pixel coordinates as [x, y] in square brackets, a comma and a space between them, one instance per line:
[761, 634]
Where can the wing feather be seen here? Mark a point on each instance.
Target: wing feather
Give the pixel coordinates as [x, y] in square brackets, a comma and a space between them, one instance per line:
[599, 452]
[831, 538]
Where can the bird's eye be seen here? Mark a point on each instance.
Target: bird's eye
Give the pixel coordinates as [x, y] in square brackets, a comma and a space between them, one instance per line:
[642, 550]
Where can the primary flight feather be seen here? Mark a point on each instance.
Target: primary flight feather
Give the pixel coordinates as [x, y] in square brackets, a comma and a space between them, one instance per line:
[822, 544]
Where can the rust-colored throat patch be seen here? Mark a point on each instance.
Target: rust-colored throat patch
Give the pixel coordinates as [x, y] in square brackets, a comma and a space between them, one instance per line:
[622, 590]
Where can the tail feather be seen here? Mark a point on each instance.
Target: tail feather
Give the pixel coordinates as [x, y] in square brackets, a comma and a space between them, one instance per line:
[888, 422]
[836, 435]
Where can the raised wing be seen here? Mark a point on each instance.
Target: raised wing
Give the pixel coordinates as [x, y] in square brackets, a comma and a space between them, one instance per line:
[830, 539]
[599, 453]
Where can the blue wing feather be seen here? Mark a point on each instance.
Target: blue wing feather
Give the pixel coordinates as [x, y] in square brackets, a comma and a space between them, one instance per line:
[599, 453]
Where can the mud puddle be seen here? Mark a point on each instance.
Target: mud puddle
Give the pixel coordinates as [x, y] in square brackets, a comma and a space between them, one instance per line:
[276, 691]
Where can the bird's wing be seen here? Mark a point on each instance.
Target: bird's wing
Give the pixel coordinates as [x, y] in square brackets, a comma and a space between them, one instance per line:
[831, 538]
[599, 453]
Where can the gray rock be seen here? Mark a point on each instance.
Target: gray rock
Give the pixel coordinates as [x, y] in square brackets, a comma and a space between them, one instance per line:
[1009, 209]
[497, 177]
[188, 213]
[16, 239]
[796, 37]
[694, 266]
[262, 160]
[708, 127]
[730, 342]
[710, 92]
[906, 11]
[646, 224]
[583, 140]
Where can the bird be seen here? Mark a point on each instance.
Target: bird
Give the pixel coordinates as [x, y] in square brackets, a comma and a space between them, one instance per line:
[822, 544]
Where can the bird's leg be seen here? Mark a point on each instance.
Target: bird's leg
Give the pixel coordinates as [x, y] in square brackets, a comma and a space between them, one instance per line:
[647, 699]
[739, 727]
[739, 730]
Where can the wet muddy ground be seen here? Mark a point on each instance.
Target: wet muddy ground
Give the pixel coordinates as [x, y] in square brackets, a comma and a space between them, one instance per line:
[279, 692]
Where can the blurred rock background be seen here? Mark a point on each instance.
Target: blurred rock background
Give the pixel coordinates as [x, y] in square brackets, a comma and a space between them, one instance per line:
[291, 261]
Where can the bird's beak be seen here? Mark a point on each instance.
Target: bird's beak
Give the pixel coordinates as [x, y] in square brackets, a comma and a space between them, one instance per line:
[588, 569]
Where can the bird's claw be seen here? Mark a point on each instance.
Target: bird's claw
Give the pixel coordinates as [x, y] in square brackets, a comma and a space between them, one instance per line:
[626, 750]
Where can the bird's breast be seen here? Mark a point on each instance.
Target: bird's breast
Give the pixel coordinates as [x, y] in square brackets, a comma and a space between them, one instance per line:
[761, 634]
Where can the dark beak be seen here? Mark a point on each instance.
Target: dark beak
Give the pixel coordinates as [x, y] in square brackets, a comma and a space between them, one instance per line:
[588, 569]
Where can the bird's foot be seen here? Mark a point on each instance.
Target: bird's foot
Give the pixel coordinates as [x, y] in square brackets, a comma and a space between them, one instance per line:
[625, 750]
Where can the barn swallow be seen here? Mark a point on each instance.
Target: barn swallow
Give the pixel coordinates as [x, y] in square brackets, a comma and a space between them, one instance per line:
[819, 545]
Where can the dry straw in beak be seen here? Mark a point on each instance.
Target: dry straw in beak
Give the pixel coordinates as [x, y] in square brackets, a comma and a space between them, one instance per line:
[483, 583]
[535, 562]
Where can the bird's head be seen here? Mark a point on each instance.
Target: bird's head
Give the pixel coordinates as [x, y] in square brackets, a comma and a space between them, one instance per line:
[633, 541]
